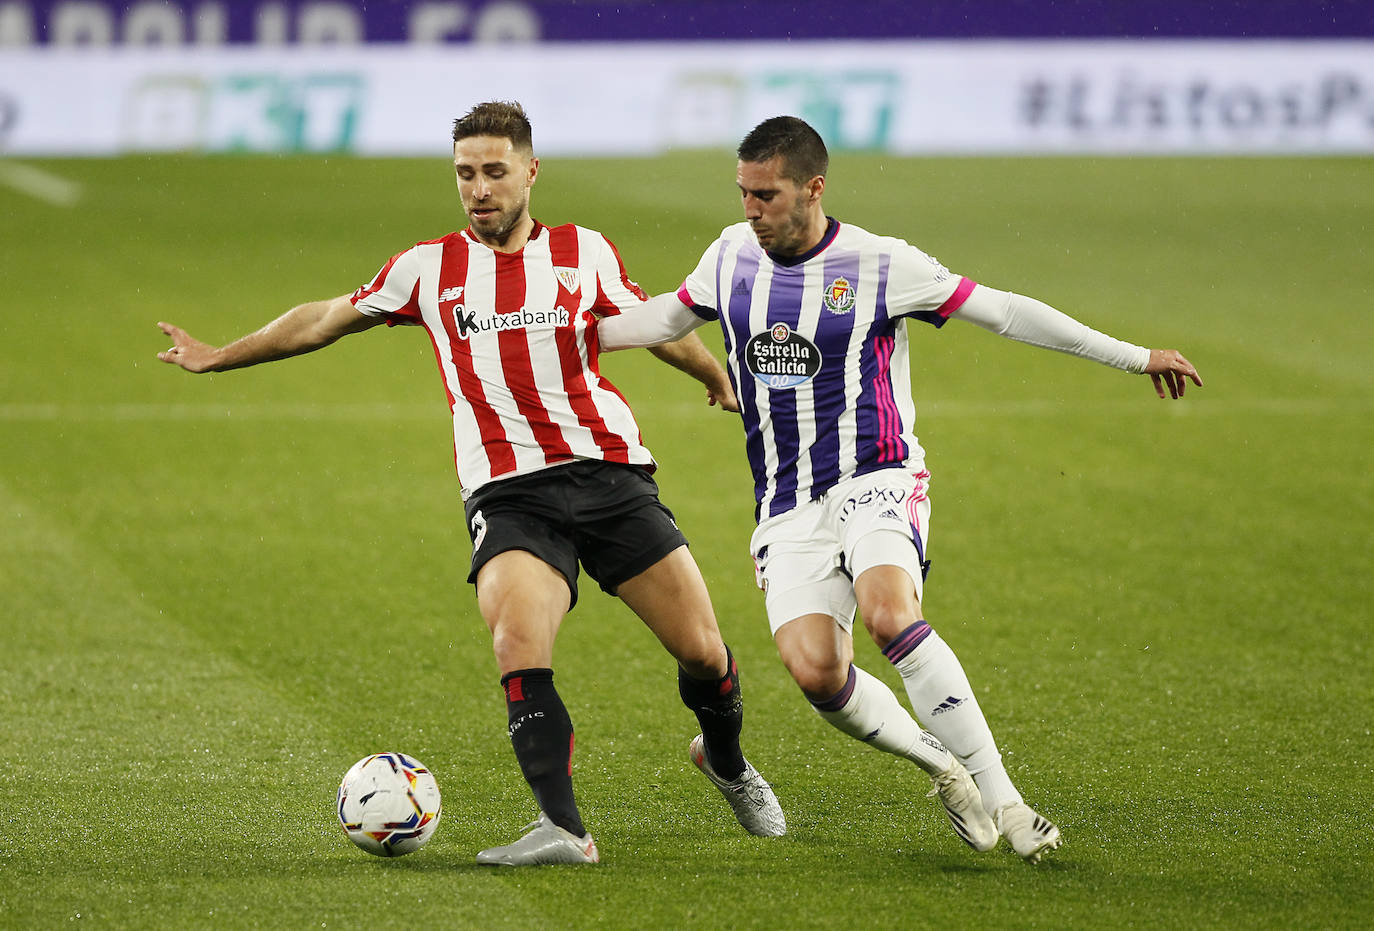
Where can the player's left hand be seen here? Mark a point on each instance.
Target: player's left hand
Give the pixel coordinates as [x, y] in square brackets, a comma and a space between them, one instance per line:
[724, 395]
[1167, 367]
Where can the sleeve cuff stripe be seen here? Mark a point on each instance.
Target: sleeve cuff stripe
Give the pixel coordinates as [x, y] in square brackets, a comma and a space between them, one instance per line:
[956, 300]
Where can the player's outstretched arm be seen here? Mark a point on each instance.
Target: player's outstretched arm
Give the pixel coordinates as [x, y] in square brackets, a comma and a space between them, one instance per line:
[1028, 320]
[1167, 367]
[301, 329]
[665, 324]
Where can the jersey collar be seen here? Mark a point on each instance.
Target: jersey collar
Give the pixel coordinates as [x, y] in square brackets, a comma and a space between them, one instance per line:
[534, 234]
[832, 229]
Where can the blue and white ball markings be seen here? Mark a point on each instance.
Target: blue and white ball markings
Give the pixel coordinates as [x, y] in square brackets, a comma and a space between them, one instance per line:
[389, 804]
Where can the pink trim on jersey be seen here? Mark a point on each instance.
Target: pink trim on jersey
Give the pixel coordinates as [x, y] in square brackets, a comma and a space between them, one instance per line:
[890, 446]
[913, 511]
[956, 300]
[685, 296]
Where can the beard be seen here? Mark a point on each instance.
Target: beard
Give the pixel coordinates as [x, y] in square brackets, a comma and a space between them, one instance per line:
[499, 225]
[786, 238]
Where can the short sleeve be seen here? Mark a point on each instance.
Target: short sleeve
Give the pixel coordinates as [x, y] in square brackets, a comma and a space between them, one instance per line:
[394, 293]
[701, 289]
[615, 291]
[920, 287]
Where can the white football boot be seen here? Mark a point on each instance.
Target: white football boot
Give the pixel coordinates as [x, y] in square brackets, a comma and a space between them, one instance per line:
[544, 842]
[751, 797]
[963, 803]
[1029, 833]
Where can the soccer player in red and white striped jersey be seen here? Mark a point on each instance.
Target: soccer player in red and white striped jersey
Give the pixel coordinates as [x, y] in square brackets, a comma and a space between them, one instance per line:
[553, 469]
[514, 335]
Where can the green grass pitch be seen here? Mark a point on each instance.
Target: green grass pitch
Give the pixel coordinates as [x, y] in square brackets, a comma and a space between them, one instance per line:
[218, 592]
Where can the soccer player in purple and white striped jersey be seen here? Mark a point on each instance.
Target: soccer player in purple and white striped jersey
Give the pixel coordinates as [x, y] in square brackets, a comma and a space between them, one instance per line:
[814, 314]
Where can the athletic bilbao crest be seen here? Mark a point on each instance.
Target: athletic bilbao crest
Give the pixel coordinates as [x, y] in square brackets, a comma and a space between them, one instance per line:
[567, 277]
[839, 297]
[781, 358]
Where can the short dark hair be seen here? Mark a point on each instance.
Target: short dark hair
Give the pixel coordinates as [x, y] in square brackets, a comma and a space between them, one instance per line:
[801, 147]
[505, 119]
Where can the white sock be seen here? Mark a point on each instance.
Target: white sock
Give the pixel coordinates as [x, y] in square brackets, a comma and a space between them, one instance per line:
[866, 710]
[943, 699]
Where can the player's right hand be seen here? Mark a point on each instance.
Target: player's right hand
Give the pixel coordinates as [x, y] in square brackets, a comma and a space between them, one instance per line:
[1167, 367]
[187, 351]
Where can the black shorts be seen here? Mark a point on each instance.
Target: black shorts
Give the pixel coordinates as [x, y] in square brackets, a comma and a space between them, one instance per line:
[603, 514]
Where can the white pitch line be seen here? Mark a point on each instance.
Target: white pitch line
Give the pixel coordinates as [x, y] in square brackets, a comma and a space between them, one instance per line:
[228, 413]
[39, 184]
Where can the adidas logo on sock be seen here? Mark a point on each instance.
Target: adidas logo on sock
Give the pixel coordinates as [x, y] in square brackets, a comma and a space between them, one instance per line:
[949, 704]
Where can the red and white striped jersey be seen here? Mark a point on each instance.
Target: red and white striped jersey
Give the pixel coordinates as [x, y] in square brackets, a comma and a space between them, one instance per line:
[515, 338]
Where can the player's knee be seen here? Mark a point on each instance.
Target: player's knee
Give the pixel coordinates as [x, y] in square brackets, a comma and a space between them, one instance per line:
[886, 618]
[817, 677]
[521, 646]
[703, 657]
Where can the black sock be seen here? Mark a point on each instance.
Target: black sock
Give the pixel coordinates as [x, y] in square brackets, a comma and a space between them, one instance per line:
[542, 734]
[717, 705]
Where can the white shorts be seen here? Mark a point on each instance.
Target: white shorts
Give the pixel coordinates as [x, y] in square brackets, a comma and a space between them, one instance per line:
[806, 560]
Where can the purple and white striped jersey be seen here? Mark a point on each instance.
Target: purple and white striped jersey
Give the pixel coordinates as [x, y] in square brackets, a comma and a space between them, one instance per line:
[817, 351]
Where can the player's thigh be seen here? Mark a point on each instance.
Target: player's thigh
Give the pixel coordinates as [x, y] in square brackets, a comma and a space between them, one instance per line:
[798, 564]
[523, 600]
[515, 515]
[670, 597]
[619, 526]
[883, 519]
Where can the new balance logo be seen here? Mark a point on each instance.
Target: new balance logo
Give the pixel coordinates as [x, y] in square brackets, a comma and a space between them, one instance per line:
[949, 704]
[451, 294]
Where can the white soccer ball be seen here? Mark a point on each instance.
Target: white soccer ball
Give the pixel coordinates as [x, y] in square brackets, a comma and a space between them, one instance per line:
[389, 804]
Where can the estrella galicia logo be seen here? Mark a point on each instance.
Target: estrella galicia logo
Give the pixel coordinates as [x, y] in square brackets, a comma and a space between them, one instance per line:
[839, 297]
[781, 358]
